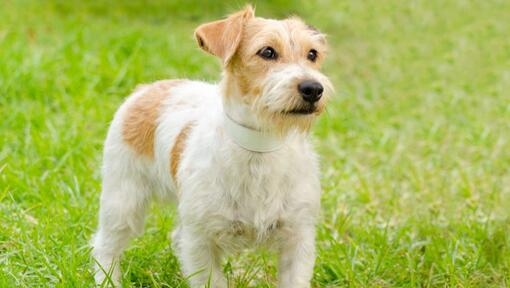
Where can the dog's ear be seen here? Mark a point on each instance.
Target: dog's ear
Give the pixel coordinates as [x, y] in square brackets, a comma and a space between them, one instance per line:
[221, 38]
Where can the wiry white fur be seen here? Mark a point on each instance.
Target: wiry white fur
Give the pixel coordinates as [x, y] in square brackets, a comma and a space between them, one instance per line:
[230, 198]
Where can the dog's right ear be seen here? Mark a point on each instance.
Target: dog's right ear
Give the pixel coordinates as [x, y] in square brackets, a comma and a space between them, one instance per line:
[221, 38]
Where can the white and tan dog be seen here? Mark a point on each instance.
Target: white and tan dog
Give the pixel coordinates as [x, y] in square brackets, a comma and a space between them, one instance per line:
[235, 155]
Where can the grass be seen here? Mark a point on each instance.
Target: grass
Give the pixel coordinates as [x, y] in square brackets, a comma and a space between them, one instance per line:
[415, 143]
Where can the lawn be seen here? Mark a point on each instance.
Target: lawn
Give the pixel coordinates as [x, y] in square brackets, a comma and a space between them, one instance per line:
[415, 144]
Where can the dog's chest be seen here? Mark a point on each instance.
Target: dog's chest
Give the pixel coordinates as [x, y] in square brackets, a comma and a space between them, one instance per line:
[257, 193]
[243, 199]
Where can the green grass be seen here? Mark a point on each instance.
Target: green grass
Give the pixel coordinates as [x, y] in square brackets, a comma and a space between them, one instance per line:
[415, 144]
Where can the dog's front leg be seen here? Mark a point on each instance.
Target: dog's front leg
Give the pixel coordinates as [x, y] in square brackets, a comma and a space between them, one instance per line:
[200, 259]
[297, 257]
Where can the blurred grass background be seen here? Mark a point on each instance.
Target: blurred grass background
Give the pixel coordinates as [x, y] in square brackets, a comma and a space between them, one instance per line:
[415, 143]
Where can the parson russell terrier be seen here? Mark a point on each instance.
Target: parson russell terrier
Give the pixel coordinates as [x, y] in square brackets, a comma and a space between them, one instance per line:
[235, 156]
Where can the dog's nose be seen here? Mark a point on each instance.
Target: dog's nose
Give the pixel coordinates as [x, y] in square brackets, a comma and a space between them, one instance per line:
[310, 90]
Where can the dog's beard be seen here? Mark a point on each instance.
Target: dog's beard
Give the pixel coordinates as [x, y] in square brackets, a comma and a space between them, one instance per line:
[282, 120]
[281, 108]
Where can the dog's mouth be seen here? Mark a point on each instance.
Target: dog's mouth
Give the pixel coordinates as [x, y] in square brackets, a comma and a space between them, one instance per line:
[305, 110]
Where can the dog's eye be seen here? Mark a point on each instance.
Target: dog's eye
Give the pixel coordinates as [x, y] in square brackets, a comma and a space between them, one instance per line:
[312, 55]
[268, 53]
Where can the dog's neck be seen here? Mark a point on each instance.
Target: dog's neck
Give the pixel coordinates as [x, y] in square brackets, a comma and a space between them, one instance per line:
[241, 114]
[244, 129]
[251, 139]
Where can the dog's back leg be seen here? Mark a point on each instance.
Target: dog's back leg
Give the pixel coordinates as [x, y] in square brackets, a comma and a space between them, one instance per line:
[121, 217]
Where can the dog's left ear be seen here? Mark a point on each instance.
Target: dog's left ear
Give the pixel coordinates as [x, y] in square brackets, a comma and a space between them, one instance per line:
[221, 38]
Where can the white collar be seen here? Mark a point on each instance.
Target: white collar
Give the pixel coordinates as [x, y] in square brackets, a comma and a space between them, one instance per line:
[251, 139]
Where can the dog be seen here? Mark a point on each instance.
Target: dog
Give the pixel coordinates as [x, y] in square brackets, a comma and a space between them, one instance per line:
[235, 156]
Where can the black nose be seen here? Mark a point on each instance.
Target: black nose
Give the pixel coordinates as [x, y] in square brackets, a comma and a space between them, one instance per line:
[310, 90]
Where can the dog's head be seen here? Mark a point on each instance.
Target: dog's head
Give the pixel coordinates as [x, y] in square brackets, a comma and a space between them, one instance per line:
[270, 65]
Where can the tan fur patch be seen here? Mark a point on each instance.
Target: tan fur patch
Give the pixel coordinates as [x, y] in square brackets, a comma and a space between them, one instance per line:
[246, 72]
[178, 148]
[140, 121]
[221, 38]
[291, 39]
